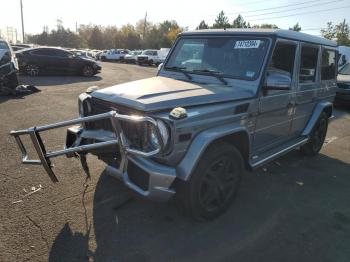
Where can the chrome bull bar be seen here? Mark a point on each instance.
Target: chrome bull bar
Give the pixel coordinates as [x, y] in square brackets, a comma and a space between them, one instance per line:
[120, 141]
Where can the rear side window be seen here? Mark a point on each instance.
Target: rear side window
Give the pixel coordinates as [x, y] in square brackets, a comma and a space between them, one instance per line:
[328, 65]
[48, 52]
[308, 64]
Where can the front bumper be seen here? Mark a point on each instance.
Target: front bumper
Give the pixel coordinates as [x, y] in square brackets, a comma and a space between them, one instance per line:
[160, 178]
[156, 180]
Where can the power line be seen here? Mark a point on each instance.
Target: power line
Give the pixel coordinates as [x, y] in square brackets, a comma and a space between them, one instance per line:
[276, 7]
[303, 13]
[298, 8]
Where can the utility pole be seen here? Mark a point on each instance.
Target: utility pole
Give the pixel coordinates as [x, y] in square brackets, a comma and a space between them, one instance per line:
[22, 21]
[144, 26]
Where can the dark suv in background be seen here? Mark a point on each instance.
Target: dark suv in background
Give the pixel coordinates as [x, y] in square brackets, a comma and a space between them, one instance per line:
[36, 61]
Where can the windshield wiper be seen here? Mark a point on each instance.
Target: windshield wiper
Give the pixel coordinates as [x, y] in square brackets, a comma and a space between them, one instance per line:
[180, 69]
[217, 74]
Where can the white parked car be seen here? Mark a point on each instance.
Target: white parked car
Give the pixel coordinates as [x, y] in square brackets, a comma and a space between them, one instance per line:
[132, 56]
[114, 55]
[150, 57]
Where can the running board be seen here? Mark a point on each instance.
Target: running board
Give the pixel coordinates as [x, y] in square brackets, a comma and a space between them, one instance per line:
[272, 154]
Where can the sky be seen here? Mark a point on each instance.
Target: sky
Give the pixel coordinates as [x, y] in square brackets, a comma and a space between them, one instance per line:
[188, 13]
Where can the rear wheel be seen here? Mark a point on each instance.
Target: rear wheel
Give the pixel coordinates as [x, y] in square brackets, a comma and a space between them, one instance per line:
[32, 70]
[88, 71]
[317, 137]
[213, 184]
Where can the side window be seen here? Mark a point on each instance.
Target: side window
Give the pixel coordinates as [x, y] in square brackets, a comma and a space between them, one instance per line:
[42, 52]
[283, 57]
[61, 53]
[308, 64]
[328, 65]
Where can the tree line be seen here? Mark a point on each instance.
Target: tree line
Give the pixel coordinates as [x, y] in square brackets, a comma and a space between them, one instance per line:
[146, 34]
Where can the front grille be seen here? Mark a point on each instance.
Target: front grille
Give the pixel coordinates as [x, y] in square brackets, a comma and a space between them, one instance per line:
[142, 58]
[343, 85]
[134, 132]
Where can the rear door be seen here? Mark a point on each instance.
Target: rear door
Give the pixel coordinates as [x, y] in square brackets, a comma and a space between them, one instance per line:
[307, 86]
[276, 106]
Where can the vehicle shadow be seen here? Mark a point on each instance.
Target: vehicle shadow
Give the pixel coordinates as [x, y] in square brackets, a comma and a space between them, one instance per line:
[280, 208]
[56, 80]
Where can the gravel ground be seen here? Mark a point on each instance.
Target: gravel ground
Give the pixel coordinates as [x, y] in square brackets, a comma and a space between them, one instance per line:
[293, 209]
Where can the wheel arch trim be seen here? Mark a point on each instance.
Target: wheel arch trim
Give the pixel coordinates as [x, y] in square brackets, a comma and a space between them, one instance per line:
[201, 142]
[319, 109]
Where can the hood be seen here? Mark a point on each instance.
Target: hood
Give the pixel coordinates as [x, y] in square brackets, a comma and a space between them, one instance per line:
[343, 78]
[160, 93]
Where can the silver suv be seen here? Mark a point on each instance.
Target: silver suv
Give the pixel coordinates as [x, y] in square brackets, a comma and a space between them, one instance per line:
[223, 101]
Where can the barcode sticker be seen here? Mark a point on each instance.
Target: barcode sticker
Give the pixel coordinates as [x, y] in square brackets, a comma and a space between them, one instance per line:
[247, 44]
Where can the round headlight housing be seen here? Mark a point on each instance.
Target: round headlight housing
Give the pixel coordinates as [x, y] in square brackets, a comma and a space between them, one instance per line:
[152, 135]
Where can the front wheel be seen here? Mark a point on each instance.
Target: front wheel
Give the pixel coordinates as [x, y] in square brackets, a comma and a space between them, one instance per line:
[32, 70]
[317, 137]
[213, 184]
[88, 71]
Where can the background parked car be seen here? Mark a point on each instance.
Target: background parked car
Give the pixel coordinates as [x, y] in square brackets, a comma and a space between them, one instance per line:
[82, 54]
[343, 82]
[36, 61]
[150, 57]
[132, 56]
[114, 55]
[344, 56]
[8, 68]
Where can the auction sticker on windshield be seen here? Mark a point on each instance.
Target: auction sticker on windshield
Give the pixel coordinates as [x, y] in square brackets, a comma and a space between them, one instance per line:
[247, 44]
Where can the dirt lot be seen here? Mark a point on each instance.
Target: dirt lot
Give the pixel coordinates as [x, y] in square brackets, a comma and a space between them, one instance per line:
[294, 209]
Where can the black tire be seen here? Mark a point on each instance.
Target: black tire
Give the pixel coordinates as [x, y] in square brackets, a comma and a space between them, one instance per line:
[150, 62]
[88, 71]
[32, 70]
[103, 58]
[317, 137]
[210, 191]
[12, 80]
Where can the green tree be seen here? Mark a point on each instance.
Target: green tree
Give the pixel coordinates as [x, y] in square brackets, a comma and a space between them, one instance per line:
[221, 21]
[343, 33]
[339, 33]
[266, 26]
[295, 27]
[202, 25]
[239, 22]
[96, 38]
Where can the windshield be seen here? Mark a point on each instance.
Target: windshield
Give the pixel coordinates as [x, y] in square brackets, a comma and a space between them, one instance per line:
[234, 57]
[3, 45]
[345, 70]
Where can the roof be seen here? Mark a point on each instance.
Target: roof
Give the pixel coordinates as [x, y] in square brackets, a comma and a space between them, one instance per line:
[265, 32]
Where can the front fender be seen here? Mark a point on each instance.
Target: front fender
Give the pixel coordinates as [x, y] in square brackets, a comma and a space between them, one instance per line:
[199, 145]
[320, 107]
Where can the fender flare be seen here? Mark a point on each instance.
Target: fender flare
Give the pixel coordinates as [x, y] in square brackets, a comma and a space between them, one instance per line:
[199, 145]
[319, 108]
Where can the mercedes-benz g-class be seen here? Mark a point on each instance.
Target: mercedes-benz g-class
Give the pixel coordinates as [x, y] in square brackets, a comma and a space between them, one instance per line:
[223, 101]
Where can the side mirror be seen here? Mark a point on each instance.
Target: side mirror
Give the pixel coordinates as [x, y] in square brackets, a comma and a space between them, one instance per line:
[277, 80]
[160, 66]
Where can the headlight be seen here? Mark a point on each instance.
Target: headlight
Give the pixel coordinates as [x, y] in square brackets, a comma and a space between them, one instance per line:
[84, 107]
[153, 138]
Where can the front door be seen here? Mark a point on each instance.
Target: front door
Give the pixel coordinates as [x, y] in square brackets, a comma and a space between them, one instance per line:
[276, 107]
